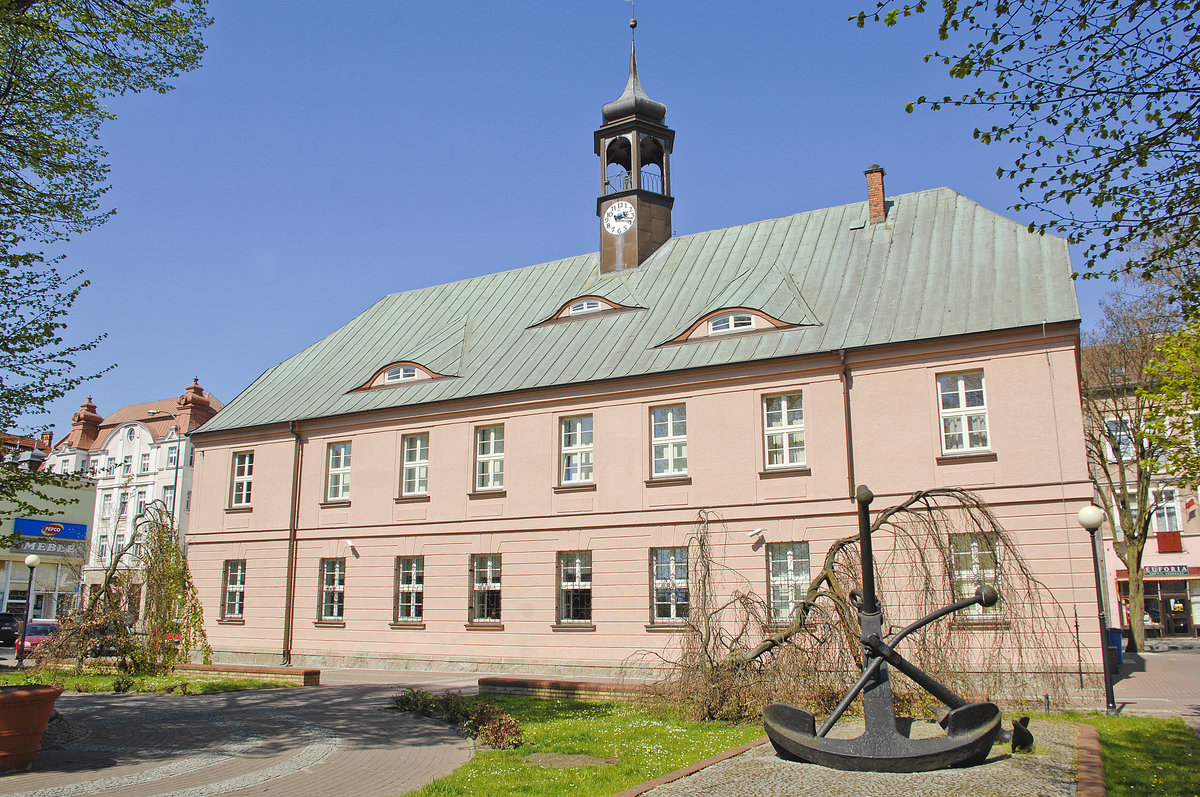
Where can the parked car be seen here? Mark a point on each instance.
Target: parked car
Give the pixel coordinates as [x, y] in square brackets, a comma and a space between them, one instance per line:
[10, 628]
[37, 633]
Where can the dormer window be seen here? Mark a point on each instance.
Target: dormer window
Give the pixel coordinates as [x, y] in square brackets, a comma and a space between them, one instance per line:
[401, 373]
[730, 322]
[584, 306]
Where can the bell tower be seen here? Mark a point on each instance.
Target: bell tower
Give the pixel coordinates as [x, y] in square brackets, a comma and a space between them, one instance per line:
[635, 199]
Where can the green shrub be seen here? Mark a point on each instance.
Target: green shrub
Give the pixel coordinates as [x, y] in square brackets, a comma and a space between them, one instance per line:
[502, 732]
[122, 683]
[477, 718]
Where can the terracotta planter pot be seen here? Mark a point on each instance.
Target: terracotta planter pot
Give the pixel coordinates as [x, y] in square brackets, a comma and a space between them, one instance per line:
[24, 716]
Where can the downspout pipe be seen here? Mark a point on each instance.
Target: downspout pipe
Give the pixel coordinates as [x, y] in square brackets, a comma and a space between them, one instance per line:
[289, 606]
[845, 376]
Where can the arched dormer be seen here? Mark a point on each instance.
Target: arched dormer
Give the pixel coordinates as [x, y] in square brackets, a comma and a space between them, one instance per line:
[399, 373]
[728, 322]
[584, 307]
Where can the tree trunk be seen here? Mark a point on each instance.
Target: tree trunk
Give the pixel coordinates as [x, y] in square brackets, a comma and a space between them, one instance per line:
[1137, 594]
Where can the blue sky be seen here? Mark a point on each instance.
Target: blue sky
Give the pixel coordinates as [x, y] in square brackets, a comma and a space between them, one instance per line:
[327, 154]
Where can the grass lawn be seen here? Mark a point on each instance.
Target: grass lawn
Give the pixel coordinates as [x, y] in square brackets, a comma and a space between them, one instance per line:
[644, 745]
[1146, 755]
[72, 681]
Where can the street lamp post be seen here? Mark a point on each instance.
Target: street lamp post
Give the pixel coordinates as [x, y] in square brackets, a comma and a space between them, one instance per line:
[1090, 517]
[178, 456]
[31, 561]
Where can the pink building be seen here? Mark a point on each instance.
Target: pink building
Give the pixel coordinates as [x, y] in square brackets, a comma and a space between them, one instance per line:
[503, 472]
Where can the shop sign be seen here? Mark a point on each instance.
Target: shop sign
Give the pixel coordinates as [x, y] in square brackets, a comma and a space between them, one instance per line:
[50, 529]
[1158, 571]
[50, 547]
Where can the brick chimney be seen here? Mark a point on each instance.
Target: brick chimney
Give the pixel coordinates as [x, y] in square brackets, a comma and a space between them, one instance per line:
[877, 209]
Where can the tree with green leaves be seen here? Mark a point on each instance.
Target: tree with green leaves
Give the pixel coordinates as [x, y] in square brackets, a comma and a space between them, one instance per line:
[1176, 375]
[60, 61]
[1100, 98]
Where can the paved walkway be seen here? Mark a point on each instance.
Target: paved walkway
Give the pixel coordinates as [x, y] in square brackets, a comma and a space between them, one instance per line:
[1163, 681]
[314, 741]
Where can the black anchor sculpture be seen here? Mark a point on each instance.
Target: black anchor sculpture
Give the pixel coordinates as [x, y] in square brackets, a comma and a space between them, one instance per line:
[885, 745]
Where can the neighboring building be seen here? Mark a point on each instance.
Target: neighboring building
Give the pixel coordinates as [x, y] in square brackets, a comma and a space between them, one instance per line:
[133, 456]
[58, 536]
[503, 472]
[26, 452]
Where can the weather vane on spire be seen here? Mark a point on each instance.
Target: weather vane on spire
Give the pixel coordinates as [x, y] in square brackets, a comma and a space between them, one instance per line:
[633, 22]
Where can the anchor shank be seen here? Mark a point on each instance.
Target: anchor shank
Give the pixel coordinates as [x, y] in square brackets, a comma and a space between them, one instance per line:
[864, 496]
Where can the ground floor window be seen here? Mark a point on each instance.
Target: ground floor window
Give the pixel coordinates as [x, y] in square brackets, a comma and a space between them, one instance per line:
[410, 589]
[976, 560]
[235, 589]
[575, 587]
[485, 588]
[787, 569]
[333, 589]
[669, 573]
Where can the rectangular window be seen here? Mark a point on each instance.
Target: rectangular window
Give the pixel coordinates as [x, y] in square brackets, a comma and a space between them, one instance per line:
[668, 441]
[787, 569]
[1167, 523]
[118, 545]
[123, 504]
[976, 558]
[168, 497]
[106, 506]
[963, 412]
[576, 450]
[172, 456]
[1120, 441]
[191, 457]
[783, 429]
[127, 466]
[410, 589]
[485, 588]
[333, 589]
[235, 589]
[102, 551]
[669, 572]
[243, 478]
[339, 472]
[187, 501]
[141, 501]
[489, 458]
[145, 464]
[575, 587]
[415, 479]
[111, 466]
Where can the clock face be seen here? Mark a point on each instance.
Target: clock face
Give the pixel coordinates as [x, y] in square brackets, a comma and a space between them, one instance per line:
[619, 217]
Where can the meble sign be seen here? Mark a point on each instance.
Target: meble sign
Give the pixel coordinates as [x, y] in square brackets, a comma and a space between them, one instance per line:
[49, 529]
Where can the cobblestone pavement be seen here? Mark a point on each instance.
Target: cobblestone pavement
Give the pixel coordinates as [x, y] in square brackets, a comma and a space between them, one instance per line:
[760, 773]
[315, 741]
[1164, 681]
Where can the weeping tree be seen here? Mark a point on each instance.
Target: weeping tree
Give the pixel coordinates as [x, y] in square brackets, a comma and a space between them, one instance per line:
[170, 626]
[732, 659]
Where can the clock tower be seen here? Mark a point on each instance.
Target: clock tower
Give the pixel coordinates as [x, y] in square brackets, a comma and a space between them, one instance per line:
[635, 199]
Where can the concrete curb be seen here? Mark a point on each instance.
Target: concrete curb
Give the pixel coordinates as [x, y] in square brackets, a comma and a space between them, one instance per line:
[690, 770]
[1090, 781]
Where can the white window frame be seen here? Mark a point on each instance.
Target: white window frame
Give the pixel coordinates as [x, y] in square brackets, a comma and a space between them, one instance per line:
[141, 502]
[144, 465]
[400, 373]
[668, 584]
[788, 578]
[966, 580]
[585, 306]
[168, 497]
[123, 503]
[130, 433]
[333, 590]
[485, 587]
[1119, 431]
[233, 606]
[410, 590]
[110, 467]
[575, 450]
[727, 323]
[172, 456]
[127, 465]
[783, 431]
[1166, 507]
[102, 550]
[106, 506]
[489, 457]
[668, 441]
[414, 471]
[964, 416]
[337, 472]
[574, 576]
[241, 488]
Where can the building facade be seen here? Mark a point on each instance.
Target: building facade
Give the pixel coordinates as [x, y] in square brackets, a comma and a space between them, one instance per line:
[133, 456]
[505, 472]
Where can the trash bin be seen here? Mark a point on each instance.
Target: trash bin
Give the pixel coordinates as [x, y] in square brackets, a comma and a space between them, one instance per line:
[1115, 643]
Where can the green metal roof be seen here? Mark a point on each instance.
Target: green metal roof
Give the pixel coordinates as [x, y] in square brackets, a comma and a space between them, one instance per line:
[940, 265]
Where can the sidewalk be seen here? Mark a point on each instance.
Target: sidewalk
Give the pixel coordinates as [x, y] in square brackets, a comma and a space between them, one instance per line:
[1164, 684]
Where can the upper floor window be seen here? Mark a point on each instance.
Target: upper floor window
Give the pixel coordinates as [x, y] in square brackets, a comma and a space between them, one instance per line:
[106, 506]
[401, 373]
[243, 478]
[669, 573]
[338, 474]
[668, 441]
[410, 589]
[485, 588]
[127, 466]
[1120, 441]
[123, 504]
[575, 587]
[576, 450]
[141, 501]
[234, 581]
[172, 456]
[415, 479]
[976, 558]
[168, 497]
[1166, 510]
[145, 463]
[111, 466]
[787, 572]
[584, 306]
[489, 457]
[783, 430]
[963, 412]
[730, 322]
[130, 433]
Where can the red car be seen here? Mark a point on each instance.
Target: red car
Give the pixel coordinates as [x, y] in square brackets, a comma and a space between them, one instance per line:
[37, 633]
